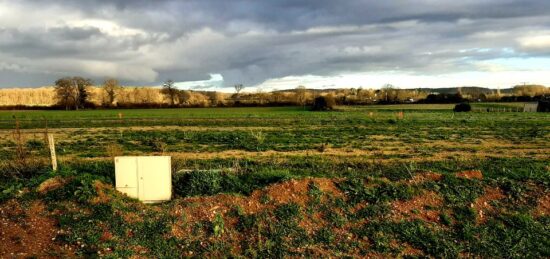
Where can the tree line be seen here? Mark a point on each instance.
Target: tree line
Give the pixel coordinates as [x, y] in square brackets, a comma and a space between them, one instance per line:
[73, 93]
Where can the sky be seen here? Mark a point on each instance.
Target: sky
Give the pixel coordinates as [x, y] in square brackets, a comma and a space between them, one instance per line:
[277, 44]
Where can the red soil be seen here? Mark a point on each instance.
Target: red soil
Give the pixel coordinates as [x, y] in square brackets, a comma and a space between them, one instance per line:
[470, 174]
[29, 232]
[418, 208]
[543, 206]
[482, 204]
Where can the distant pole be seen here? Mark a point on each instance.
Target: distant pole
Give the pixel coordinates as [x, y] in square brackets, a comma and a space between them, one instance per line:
[51, 143]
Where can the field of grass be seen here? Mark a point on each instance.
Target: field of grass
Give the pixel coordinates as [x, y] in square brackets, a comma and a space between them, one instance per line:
[282, 182]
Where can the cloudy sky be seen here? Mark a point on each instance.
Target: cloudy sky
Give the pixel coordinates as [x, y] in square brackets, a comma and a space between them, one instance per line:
[207, 44]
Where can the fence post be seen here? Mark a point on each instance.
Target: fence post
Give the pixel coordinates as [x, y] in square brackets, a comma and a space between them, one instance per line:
[51, 143]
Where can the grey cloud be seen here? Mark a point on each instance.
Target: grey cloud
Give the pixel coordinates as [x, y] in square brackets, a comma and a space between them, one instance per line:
[251, 41]
[285, 15]
[72, 33]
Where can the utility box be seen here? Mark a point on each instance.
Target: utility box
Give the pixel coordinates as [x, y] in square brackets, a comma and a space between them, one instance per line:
[146, 178]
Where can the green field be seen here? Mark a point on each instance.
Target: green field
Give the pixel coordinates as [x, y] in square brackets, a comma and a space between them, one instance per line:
[286, 182]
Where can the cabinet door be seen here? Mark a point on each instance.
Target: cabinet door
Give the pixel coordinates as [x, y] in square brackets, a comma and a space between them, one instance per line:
[155, 178]
[126, 175]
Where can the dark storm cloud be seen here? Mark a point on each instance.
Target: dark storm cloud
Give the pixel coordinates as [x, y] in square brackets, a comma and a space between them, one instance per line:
[302, 14]
[250, 41]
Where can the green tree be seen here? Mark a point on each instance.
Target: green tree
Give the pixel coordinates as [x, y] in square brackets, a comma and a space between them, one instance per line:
[65, 92]
[71, 92]
[82, 85]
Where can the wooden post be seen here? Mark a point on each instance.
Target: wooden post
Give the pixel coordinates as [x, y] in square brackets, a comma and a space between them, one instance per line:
[51, 143]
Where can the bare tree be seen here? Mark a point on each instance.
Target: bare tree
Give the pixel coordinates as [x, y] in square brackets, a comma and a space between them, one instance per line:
[301, 95]
[261, 96]
[215, 98]
[111, 88]
[170, 91]
[389, 92]
[239, 88]
[184, 96]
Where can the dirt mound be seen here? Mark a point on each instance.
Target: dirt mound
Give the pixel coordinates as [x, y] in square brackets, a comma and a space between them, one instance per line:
[297, 190]
[421, 207]
[425, 177]
[29, 232]
[281, 193]
[543, 206]
[475, 174]
[482, 204]
[52, 184]
[205, 208]
[104, 193]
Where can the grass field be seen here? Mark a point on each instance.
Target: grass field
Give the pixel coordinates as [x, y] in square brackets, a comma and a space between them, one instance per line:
[283, 182]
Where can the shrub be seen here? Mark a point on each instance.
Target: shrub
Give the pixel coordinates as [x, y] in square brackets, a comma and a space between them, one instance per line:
[212, 182]
[356, 191]
[34, 144]
[22, 169]
[198, 183]
[324, 103]
[462, 107]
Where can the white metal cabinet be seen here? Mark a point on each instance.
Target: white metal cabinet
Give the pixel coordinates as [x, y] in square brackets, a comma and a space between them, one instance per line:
[126, 176]
[147, 178]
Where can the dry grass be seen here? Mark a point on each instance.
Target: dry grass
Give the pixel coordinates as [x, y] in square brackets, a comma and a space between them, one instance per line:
[45, 96]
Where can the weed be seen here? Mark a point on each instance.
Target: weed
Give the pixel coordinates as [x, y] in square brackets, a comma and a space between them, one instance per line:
[373, 211]
[265, 199]
[259, 138]
[335, 218]
[160, 146]
[435, 243]
[287, 212]
[314, 193]
[325, 236]
[445, 219]
[464, 214]
[113, 150]
[356, 191]
[218, 225]
[457, 191]
[514, 235]
[322, 147]
[9, 191]
[198, 183]
[213, 182]
[246, 222]
[533, 132]
[84, 191]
